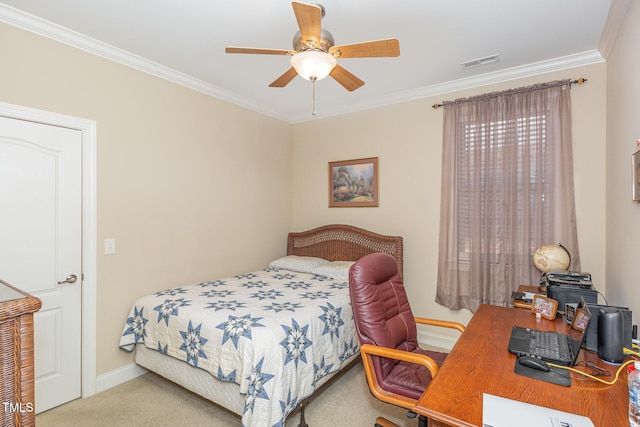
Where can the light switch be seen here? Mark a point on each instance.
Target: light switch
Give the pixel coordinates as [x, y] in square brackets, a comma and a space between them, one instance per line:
[109, 246]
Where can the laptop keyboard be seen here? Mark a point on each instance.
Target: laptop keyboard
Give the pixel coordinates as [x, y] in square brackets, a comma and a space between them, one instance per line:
[545, 344]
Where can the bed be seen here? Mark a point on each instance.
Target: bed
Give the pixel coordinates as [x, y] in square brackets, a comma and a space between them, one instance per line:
[260, 344]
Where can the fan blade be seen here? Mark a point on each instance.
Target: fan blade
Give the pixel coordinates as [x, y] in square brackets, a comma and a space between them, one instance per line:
[308, 17]
[232, 49]
[379, 48]
[345, 78]
[284, 79]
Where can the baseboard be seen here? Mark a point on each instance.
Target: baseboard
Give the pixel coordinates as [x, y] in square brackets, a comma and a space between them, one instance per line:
[431, 339]
[119, 376]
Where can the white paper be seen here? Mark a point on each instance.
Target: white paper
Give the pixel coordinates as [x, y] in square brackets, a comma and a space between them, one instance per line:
[503, 412]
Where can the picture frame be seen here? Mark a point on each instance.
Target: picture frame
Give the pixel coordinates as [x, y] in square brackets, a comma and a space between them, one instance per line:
[546, 307]
[580, 320]
[635, 161]
[353, 183]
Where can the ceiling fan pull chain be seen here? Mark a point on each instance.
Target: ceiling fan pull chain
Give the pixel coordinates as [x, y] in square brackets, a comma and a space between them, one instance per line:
[313, 92]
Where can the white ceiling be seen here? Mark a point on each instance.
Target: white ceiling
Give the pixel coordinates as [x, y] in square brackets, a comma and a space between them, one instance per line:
[185, 41]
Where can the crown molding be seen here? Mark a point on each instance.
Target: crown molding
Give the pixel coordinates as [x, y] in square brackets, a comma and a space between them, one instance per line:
[617, 12]
[74, 39]
[529, 70]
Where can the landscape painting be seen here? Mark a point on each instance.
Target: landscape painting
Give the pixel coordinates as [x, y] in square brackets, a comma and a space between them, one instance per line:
[353, 183]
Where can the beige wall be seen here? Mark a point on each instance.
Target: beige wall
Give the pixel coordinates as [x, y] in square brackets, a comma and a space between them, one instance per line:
[190, 187]
[407, 138]
[623, 129]
[186, 181]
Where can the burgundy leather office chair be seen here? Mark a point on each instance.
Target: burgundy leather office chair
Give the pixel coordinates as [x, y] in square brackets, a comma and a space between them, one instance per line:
[397, 369]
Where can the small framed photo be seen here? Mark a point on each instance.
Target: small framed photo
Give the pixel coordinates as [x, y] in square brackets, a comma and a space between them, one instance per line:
[580, 320]
[547, 307]
[353, 183]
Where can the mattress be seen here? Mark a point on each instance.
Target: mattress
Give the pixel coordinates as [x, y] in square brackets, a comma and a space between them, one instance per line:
[225, 394]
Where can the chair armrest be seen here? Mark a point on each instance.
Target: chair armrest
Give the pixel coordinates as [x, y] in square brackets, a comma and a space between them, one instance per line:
[406, 356]
[442, 323]
[368, 350]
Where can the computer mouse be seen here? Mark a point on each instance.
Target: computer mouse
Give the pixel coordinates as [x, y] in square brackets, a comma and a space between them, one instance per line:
[534, 362]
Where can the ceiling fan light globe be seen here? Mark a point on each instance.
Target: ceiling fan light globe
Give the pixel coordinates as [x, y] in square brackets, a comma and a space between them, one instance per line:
[313, 64]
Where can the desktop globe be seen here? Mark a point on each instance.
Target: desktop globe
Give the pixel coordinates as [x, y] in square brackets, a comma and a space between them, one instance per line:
[549, 258]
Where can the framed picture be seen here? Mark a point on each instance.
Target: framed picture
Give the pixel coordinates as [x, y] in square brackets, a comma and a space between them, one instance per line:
[547, 307]
[353, 183]
[580, 320]
[636, 175]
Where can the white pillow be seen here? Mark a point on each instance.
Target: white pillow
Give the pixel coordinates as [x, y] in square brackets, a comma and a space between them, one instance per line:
[301, 264]
[336, 270]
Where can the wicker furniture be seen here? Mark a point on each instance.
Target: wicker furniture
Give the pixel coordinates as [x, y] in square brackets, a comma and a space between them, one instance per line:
[339, 242]
[16, 356]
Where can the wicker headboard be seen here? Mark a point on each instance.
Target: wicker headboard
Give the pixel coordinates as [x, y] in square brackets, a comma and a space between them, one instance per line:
[339, 242]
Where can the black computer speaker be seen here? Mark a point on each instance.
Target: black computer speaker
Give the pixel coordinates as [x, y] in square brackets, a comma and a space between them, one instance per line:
[610, 334]
[591, 340]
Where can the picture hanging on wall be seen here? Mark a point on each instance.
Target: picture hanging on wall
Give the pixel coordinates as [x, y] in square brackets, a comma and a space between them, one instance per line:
[353, 183]
[636, 175]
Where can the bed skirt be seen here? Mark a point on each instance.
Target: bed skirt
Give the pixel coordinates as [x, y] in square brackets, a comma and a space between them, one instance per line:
[224, 394]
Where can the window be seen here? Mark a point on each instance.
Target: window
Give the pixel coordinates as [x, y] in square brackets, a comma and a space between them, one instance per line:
[507, 180]
[483, 147]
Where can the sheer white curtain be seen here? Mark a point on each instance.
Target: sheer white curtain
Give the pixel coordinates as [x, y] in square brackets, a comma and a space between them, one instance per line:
[507, 188]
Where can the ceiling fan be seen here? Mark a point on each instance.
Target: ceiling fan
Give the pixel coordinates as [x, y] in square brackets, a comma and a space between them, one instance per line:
[314, 55]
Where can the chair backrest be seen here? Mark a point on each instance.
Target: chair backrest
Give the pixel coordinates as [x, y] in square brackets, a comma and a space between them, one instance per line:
[381, 310]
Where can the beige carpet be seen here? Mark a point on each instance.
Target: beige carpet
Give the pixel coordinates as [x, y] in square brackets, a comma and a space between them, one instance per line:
[150, 400]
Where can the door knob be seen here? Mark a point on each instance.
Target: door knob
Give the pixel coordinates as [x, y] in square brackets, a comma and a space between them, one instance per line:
[70, 279]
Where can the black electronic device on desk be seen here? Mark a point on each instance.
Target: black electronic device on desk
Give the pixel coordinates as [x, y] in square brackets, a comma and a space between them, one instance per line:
[525, 297]
[591, 340]
[579, 278]
[569, 286]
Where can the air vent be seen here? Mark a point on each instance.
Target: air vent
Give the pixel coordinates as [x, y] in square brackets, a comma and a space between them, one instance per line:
[480, 61]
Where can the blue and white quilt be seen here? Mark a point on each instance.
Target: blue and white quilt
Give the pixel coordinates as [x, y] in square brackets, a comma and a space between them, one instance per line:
[276, 333]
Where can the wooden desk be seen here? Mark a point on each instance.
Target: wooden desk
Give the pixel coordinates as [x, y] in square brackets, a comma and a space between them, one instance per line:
[480, 362]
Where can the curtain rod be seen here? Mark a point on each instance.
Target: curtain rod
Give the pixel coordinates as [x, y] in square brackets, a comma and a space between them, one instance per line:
[579, 81]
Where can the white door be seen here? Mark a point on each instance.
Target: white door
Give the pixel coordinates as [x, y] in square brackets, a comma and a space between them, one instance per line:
[41, 245]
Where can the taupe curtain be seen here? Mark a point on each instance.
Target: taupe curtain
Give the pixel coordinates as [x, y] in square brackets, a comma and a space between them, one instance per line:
[507, 188]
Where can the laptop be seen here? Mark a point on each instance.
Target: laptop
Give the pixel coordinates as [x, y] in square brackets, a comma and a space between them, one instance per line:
[551, 346]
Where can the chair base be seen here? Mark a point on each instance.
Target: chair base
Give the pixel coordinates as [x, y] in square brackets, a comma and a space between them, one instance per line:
[383, 422]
